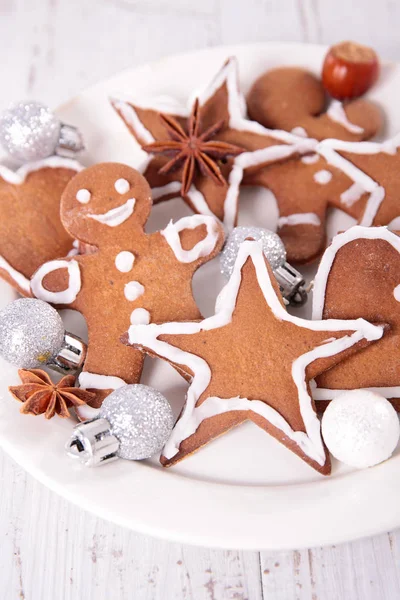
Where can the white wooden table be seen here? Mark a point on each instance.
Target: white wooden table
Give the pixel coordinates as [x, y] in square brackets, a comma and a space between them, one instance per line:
[49, 549]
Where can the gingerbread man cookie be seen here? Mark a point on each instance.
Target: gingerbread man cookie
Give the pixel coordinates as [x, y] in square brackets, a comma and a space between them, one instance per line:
[132, 277]
[195, 152]
[359, 178]
[31, 232]
[293, 99]
[252, 360]
[359, 276]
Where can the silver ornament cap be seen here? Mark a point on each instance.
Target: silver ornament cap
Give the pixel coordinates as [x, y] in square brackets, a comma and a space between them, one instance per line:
[134, 423]
[30, 131]
[291, 282]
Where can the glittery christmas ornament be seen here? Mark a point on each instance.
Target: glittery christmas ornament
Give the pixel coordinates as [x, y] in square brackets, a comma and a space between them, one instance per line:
[134, 422]
[32, 335]
[290, 280]
[29, 131]
[360, 428]
[274, 250]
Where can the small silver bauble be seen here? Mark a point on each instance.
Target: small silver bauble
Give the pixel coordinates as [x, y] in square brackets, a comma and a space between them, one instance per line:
[32, 335]
[134, 422]
[290, 281]
[29, 131]
[274, 250]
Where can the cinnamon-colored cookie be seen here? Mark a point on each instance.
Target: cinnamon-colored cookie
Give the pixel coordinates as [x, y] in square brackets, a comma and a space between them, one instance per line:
[31, 232]
[129, 277]
[359, 276]
[294, 99]
[252, 361]
[195, 152]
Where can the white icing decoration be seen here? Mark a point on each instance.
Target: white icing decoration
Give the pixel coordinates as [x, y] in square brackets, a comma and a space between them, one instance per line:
[394, 224]
[310, 442]
[299, 219]
[75, 248]
[122, 186]
[352, 234]
[131, 118]
[328, 149]
[140, 316]
[322, 177]
[99, 382]
[88, 380]
[19, 279]
[198, 201]
[337, 113]
[174, 187]
[396, 293]
[115, 216]
[83, 196]
[133, 290]
[327, 394]
[310, 159]
[66, 296]
[55, 162]
[300, 131]
[124, 261]
[251, 159]
[203, 248]
[352, 195]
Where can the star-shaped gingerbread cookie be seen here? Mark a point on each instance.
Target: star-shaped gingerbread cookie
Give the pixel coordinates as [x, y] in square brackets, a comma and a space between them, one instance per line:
[31, 232]
[128, 276]
[252, 360]
[212, 185]
[359, 276]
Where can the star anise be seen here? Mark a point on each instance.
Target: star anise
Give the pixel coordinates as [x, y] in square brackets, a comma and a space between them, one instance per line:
[193, 148]
[40, 395]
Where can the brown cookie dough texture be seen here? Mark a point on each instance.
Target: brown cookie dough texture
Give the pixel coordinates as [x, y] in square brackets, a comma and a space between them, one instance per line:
[129, 276]
[359, 276]
[290, 97]
[31, 232]
[251, 361]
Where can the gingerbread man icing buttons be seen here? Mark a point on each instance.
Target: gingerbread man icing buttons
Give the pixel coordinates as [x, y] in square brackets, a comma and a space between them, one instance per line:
[131, 277]
[31, 232]
[359, 276]
[252, 360]
[196, 152]
[293, 99]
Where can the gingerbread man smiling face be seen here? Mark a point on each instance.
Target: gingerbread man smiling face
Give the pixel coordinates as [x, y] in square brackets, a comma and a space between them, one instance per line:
[130, 277]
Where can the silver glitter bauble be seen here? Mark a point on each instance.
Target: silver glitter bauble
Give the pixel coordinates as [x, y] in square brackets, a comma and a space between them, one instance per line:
[140, 418]
[29, 131]
[274, 250]
[31, 333]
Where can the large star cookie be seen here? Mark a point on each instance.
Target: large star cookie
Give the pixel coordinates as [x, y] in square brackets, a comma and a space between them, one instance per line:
[129, 276]
[359, 276]
[210, 185]
[31, 232]
[252, 360]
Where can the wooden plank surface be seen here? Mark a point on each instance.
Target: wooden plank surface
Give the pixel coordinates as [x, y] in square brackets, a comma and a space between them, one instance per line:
[51, 550]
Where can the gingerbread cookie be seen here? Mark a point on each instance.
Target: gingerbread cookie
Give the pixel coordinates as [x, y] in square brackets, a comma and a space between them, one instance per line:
[195, 152]
[359, 178]
[294, 99]
[132, 277]
[31, 232]
[359, 276]
[252, 360]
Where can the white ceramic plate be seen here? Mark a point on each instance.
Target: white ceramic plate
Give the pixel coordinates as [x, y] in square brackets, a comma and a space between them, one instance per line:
[244, 490]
